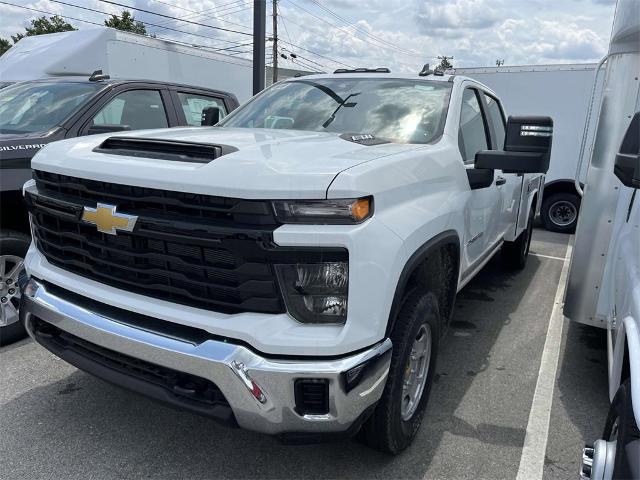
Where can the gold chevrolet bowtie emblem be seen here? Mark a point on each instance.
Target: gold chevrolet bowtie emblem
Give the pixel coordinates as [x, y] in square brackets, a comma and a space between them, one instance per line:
[107, 220]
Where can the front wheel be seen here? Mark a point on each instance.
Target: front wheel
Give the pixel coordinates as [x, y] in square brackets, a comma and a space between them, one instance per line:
[415, 338]
[13, 247]
[621, 428]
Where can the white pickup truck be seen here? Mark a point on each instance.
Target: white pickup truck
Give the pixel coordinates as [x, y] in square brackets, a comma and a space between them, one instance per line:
[293, 269]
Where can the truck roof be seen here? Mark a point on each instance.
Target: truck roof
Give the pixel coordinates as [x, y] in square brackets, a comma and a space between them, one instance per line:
[119, 81]
[452, 78]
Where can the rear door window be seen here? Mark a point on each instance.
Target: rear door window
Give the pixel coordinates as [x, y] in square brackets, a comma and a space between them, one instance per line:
[138, 109]
[193, 104]
[496, 121]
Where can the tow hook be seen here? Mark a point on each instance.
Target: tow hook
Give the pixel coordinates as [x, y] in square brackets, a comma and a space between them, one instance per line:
[598, 460]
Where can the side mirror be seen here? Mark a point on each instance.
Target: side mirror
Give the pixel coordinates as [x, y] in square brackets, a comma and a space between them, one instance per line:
[527, 147]
[107, 128]
[210, 116]
[627, 164]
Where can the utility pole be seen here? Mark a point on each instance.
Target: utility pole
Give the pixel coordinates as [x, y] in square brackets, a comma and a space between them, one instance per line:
[259, 31]
[274, 7]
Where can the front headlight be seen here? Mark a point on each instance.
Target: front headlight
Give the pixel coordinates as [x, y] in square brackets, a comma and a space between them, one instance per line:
[339, 211]
[316, 292]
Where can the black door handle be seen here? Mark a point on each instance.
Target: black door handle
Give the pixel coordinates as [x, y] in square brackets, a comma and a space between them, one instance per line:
[501, 181]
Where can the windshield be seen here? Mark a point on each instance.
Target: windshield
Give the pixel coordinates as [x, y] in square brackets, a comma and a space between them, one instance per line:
[403, 111]
[37, 107]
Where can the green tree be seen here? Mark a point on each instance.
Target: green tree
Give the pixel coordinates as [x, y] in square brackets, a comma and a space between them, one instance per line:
[126, 22]
[4, 45]
[44, 25]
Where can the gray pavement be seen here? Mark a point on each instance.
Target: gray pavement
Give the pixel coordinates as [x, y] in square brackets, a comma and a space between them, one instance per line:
[57, 422]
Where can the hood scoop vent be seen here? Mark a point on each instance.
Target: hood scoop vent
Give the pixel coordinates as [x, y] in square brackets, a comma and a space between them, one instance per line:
[176, 151]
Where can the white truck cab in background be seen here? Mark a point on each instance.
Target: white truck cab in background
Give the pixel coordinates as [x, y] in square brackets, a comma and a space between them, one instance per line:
[603, 288]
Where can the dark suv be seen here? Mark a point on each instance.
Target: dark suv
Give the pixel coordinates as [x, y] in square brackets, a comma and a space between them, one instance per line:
[35, 113]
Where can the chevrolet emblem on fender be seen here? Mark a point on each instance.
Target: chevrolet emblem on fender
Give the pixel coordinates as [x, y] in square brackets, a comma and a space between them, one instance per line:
[107, 220]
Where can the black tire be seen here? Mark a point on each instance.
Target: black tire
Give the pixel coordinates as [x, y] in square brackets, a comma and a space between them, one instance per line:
[14, 244]
[386, 430]
[621, 416]
[515, 254]
[559, 212]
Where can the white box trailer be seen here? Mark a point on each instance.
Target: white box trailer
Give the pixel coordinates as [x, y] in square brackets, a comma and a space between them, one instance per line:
[125, 55]
[563, 92]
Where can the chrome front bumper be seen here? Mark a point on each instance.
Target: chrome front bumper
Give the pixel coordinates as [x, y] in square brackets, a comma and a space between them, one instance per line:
[259, 390]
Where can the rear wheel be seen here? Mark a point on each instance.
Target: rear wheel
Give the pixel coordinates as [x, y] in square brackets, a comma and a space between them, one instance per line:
[621, 428]
[515, 253]
[415, 338]
[559, 212]
[13, 247]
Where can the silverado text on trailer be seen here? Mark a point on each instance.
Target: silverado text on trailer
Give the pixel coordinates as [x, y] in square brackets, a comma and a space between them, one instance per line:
[293, 270]
[603, 288]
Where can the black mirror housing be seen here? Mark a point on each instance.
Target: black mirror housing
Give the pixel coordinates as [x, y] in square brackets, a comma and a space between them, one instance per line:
[627, 164]
[107, 128]
[527, 147]
[480, 177]
[210, 116]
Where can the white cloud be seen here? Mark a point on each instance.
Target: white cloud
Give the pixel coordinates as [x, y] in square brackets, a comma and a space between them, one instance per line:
[475, 32]
[455, 15]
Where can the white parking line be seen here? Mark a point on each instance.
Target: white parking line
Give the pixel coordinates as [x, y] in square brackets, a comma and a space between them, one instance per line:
[546, 256]
[535, 441]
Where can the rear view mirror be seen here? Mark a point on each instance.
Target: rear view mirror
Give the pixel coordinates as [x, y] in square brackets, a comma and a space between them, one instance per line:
[627, 164]
[107, 128]
[210, 116]
[527, 147]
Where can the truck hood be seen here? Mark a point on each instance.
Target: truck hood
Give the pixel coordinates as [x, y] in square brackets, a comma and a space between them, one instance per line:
[268, 163]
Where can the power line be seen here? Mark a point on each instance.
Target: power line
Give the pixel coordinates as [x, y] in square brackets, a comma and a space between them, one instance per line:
[237, 44]
[364, 32]
[147, 23]
[218, 28]
[101, 24]
[203, 12]
[195, 13]
[170, 17]
[51, 13]
[350, 33]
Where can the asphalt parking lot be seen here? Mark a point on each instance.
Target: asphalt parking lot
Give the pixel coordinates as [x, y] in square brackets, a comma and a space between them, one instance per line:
[58, 422]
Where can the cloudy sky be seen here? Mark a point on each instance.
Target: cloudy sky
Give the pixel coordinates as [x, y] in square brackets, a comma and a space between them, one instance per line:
[400, 34]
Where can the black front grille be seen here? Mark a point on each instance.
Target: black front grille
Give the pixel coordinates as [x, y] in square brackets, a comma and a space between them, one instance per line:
[208, 252]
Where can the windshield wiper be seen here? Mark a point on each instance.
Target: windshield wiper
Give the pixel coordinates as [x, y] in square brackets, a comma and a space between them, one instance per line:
[343, 103]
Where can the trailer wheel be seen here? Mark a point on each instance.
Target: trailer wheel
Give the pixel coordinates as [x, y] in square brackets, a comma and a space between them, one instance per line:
[13, 247]
[398, 414]
[560, 212]
[621, 428]
[515, 254]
